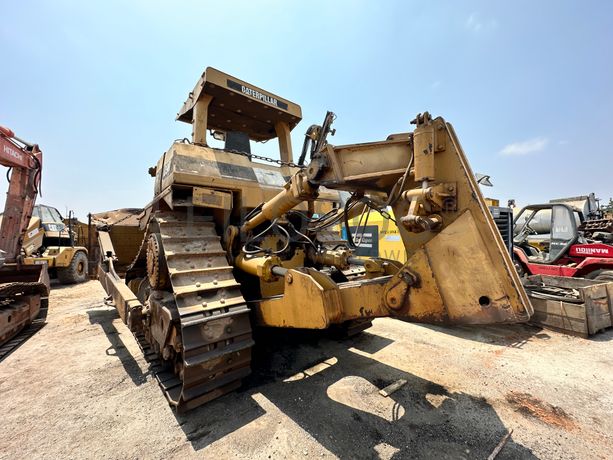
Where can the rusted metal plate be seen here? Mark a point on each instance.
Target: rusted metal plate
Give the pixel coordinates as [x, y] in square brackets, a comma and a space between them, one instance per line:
[211, 198]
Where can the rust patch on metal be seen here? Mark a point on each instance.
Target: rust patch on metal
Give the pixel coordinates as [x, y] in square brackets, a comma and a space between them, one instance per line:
[527, 404]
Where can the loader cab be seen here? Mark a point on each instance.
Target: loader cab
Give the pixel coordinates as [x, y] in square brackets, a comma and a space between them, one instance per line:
[237, 112]
[54, 230]
[545, 232]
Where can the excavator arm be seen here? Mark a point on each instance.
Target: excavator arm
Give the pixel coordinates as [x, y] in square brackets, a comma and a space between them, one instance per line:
[25, 161]
[457, 271]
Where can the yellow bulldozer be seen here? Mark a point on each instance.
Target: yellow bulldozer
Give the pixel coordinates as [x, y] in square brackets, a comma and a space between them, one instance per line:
[233, 240]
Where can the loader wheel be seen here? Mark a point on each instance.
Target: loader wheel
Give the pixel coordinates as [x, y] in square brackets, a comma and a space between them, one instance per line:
[76, 272]
[156, 263]
[601, 275]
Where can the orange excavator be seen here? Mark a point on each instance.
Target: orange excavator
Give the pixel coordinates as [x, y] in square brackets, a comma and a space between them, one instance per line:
[23, 288]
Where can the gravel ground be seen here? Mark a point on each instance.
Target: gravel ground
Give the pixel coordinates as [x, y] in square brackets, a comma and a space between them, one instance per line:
[80, 388]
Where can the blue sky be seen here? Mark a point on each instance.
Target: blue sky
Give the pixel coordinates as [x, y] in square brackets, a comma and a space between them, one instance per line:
[527, 85]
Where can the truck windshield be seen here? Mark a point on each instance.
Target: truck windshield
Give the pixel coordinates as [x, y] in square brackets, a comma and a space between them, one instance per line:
[47, 214]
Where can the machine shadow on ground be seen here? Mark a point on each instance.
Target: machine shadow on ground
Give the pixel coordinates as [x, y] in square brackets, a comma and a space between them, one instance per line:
[421, 420]
[339, 405]
[506, 335]
[11, 346]
[104, 318]
[25, 334]
[603, 336]
[57, 286]
[511, 335]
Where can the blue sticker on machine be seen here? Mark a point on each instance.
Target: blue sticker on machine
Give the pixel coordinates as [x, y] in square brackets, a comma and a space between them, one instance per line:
[367, 241]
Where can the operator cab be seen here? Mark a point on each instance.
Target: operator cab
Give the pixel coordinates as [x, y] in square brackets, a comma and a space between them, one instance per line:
[545, 232]
[55, 231]
[238, 112]
[50, 218]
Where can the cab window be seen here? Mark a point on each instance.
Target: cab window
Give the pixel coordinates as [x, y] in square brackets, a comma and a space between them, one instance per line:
[562, 232]
[47, 214]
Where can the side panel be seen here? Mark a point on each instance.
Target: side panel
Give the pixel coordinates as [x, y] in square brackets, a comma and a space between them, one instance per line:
[186, 164]
[472, 288]
[451, 239]
[474, 273]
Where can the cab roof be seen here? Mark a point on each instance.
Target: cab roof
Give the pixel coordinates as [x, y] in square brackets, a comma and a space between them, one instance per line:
[240, 106]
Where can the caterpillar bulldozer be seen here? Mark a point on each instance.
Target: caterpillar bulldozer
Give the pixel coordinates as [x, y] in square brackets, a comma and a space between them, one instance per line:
[23, 289]
[233, 240]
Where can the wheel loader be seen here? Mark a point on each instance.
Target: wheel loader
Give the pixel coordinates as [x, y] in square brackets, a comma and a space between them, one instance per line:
[233, 240]
[49, 240]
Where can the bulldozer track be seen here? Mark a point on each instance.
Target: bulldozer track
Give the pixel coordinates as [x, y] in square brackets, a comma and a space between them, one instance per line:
[24, 334]
[212, 315]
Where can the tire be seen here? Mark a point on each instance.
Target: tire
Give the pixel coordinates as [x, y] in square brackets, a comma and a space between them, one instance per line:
[519, 267]
[601, 275]
[76, 272]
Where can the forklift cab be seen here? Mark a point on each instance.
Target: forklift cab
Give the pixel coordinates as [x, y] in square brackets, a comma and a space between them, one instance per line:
[545, 232]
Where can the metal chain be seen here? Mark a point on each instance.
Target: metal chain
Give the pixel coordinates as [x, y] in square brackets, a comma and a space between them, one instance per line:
[382, 211]
[251, 156]
[291, 164]
[109, 226]
[386, 215]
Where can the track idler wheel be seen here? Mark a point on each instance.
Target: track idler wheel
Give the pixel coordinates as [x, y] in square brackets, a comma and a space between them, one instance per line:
[157, 270]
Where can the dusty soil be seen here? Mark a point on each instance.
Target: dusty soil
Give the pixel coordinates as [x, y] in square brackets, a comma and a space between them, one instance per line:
[80, 388]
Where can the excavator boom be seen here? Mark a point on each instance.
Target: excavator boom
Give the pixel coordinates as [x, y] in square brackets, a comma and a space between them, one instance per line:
[26, 167]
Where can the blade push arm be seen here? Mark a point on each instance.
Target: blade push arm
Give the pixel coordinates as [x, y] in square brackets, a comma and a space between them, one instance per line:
[389, 166]
[458, 269]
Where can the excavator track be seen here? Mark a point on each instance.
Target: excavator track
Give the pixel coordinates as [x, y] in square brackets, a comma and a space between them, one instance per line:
[209, 310]
[25, 332]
